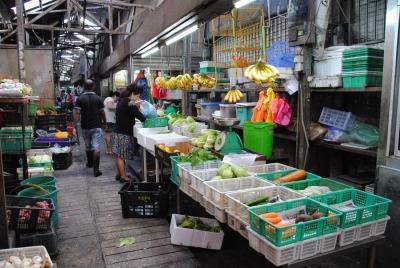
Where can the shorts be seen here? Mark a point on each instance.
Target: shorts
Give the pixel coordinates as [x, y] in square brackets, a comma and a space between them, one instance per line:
[122, 146]
[93, 138]
[110, 127]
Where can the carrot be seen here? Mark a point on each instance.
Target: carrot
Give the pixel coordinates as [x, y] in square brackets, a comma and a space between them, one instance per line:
[275, 220]
[293, 176]
[269, 215]
[283, 224]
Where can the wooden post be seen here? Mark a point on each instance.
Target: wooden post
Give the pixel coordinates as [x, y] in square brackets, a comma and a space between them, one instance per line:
[21, 39]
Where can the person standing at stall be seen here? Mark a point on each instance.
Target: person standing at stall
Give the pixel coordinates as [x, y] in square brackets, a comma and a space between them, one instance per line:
[122, 139]
[89, 109]
[110, 104]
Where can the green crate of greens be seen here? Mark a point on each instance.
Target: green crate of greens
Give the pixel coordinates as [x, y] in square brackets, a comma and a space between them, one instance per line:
[279, 174]
[357, 206]
[292, 221]
[156, 122]
[303, 185]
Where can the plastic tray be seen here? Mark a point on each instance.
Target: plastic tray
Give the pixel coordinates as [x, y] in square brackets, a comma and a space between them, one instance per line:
[27, 251]
[276, 175]
[281, 236]
[331, 184]
[156, 122]
[216, 190]
[356, 80]
[198, 178]
[237, 224]
[215, 210]
[329, 241]
[367, 51]
[268, 168]
[336, 118]
[348, 236]
[185, 170]
[198, 197]
[237, 200]
[370, 207]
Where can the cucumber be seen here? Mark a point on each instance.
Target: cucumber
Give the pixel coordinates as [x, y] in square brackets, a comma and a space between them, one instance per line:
[257, 201]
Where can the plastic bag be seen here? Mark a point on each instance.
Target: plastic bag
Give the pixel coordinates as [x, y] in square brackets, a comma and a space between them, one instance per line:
[365, 134]
[336, 135]
[280, 110]
[148, 109]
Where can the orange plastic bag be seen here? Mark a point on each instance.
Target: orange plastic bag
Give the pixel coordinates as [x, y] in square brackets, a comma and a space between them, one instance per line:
[259, 109]
[269, 98]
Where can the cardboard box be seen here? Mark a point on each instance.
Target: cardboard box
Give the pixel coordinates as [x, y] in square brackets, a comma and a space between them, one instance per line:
[195, 238]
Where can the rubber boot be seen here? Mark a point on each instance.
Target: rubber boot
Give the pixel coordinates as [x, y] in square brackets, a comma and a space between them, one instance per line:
[89, 159]
[96, 164]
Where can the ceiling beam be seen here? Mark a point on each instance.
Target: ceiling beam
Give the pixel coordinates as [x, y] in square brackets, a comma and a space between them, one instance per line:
[118, 3]
[45, 12]
[66, 29]
[89, 14]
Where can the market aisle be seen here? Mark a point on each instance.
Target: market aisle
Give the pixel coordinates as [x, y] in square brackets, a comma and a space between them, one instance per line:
[91, 223]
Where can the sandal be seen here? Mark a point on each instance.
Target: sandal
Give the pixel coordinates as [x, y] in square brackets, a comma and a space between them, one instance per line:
[117, 177]
[124, 180]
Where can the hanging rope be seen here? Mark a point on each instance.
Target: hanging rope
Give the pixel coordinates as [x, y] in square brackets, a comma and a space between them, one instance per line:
[234, 44]
[214, 52]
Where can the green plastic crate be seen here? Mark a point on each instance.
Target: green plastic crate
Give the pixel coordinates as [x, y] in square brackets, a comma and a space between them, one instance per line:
[156, 122]
[211, 70]
[258, 137]
[354, 80]
[366, 60]
[11, 143]
[375, 52]
[331, 184]
[276, 175]
[370, 207]
[244, 113]
[50, 192]
[174, 170]
[361, 68]
[282, 236]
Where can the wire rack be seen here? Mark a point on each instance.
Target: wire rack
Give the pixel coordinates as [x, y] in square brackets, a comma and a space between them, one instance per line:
[369, 20]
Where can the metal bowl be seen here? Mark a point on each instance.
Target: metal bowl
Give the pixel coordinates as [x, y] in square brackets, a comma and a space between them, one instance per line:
[227, 122]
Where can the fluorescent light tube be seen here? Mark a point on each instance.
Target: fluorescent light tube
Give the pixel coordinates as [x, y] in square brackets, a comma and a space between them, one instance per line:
[66, 56]
[151, 51]
[83, 38]
[181, 35]
[242, 3]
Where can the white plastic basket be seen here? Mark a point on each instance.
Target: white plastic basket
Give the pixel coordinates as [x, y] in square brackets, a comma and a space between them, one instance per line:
[185, 187]
[198, 197]
[29, 252]
[380, 226]
[348, 236]
[310, 247]
[365, 230]
[268, 168]
[216, 190]
[198, 128]
[200, 176]
[215, 210]
[276, 255]
[237, 200]
[185, 170]
[328, 242]
[237, 224]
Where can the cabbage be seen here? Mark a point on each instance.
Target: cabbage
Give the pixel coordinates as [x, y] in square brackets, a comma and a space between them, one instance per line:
[222, 168]
[202, 138]
[227, 173]
[190, 119]
[239, 172]
[216, 178]
[211, 139]
[191, 128]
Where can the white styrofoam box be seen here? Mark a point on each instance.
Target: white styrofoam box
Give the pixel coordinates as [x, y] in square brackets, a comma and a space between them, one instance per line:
[380, 226]
[237, 224]
[142, 133]
[348, 236]
[328, 242]
[28, 252]
[277, 255]
[238, 78]
[207, 64]
[216, 190]
[236, 200]
[198, 177]
[175, 94]
[195, 238]
[186, 170]
[268, 168]
[169, 139]
[310, 247]
[215, 210]
[326, 81]
[365, 230]
[330, 63]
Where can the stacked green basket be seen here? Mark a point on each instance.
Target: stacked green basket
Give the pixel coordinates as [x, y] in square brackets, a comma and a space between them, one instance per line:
[362, 67]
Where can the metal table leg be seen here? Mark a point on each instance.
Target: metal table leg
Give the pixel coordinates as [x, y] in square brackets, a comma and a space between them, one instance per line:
[178, 200]
[157, 171]
[144, 165]
[371, 257]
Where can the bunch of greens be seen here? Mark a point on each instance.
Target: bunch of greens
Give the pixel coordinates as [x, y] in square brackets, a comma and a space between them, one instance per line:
[197, 224]
[197, 156]
[48, 109]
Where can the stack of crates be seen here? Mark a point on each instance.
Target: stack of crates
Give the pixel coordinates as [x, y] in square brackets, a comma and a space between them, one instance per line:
[362, 67]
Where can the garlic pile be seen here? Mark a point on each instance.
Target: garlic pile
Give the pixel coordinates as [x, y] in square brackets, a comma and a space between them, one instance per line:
[24, 262]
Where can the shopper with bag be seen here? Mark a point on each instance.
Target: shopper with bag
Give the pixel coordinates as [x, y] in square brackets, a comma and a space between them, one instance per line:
[110, 104]
[122, 139]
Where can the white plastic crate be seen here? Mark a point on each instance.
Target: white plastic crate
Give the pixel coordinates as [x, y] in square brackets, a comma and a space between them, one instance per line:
[198, 128]
[365, 230]
[200, 176]
[185, 187]
[216, 190]
[380, 226]
[336, 118]
[237, 224]
[237, 200]
[329, 241]
[29, 252]
[215, 210]
[268, 168]
[348, 236]
[276, 255]
[198, 197]
[310, 247]
[185, 170]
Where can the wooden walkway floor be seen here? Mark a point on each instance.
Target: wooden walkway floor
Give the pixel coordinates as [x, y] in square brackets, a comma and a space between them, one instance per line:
[91, 222]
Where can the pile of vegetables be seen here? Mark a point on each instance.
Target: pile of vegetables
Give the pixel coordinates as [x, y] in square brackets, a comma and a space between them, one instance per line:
[315, 190]
[179, 119]
[227, 171]
[197, 224]
[21, 261]
[206, 139]
[47, 110]
[263, 200]
[197, 156]
[13, 88]
[302, 216]
[36, 159]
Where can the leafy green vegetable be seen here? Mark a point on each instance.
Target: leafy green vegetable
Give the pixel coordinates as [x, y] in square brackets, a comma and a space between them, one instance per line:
[197, 224]
[126, 241]
[197, 157]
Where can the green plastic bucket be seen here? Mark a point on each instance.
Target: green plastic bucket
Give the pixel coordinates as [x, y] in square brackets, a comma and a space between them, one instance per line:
[258, 137]
[33, 192]
[41, 180]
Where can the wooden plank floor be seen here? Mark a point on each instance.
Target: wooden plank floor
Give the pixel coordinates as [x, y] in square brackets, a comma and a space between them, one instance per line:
[91, 222]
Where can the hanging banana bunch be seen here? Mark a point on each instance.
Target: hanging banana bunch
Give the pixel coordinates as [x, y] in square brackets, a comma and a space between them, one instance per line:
[233, 95]
[262, 73]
